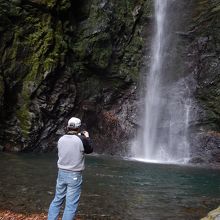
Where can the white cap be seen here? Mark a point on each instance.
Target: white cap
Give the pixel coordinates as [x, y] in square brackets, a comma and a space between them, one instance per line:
[74, 123]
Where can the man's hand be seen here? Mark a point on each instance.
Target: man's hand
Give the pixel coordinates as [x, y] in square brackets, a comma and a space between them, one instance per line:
[85, 133]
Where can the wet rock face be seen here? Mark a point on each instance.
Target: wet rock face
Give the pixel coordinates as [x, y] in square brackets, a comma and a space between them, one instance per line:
[206, 148]
[82, 58]
[65, 58]
[204, 53]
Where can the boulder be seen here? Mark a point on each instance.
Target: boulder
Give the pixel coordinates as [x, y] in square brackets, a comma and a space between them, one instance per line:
[213, 215]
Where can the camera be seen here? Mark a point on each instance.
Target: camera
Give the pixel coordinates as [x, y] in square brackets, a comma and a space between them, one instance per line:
[82, 132]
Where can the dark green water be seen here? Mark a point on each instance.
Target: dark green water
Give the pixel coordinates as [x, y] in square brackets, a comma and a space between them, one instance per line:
[113, 189]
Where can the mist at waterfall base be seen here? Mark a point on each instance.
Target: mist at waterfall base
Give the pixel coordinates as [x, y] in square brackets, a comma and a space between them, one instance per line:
[113, 189]
[163, 136]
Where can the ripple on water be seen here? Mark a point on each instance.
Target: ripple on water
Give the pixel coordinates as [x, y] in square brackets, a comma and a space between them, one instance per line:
[113, 188]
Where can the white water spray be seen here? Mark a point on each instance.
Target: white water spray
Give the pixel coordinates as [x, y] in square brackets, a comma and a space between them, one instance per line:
[163, 137]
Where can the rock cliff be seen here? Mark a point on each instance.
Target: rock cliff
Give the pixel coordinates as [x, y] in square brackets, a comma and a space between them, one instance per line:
[61, 58]
[204, 53]
[65, 58]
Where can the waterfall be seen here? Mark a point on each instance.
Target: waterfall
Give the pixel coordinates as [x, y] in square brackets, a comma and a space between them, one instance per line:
[163, 136]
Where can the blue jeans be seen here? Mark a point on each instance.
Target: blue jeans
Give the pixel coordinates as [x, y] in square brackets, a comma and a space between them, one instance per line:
[69, 186]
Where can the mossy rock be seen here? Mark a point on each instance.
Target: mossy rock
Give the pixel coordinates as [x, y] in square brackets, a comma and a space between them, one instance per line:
[1, 86]
[45, 45]
[2, 89]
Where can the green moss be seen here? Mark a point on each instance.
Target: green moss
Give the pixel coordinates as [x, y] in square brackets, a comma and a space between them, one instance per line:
[59, 50]
[23, 117]
[206, 16]
[40, 40]
[96, 49]
[216, 9]
[129, 66]
[14, 47]
[1, 87]
[58, 5]
[49, 49]
[12, 53]
[64, 5]
[101, 55]
[80, 49]
[23, 113]
[49, 3]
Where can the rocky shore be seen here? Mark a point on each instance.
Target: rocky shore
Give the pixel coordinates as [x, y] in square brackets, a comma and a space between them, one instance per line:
[213, 215]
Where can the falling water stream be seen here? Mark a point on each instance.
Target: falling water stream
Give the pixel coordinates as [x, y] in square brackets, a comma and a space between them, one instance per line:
[163, 136]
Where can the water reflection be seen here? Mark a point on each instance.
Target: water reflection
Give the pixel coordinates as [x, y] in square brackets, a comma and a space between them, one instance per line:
[113, 189]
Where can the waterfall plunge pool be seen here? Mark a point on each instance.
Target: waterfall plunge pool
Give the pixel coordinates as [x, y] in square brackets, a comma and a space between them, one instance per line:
[112, 189]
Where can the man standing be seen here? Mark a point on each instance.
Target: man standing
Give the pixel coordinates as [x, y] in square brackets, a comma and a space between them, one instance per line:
[71, 149]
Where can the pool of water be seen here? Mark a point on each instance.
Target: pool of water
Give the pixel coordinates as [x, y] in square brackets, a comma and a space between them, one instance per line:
[112, 189]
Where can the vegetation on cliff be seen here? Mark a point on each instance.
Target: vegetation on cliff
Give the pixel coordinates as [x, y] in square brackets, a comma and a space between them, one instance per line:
[63, 58]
